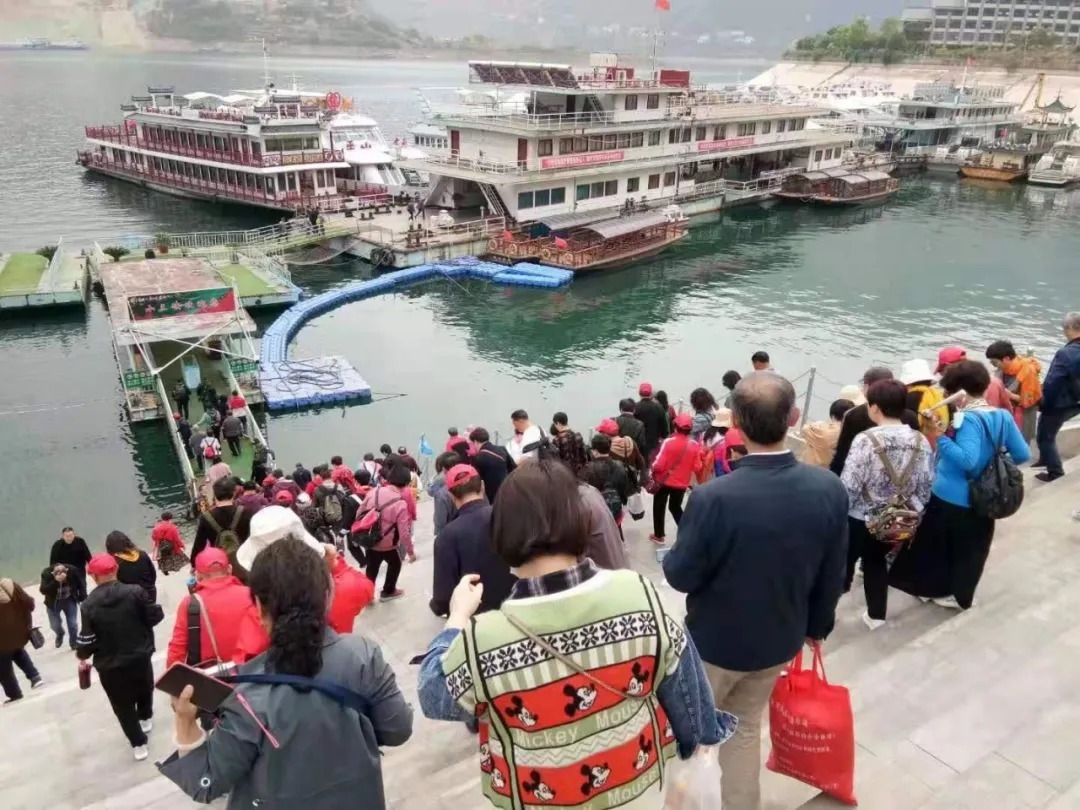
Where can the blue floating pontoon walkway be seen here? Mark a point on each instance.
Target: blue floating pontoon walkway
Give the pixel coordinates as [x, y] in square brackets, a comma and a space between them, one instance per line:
[305, 383]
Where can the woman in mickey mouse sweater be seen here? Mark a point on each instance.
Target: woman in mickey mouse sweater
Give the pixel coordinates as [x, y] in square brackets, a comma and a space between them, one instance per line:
[589, 686]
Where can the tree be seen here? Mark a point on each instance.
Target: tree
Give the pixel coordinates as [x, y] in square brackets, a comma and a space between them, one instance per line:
[48, 251]
[116, 252]
[1041, 38]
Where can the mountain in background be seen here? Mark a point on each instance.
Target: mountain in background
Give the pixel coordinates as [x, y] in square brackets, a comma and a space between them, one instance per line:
[700, 27]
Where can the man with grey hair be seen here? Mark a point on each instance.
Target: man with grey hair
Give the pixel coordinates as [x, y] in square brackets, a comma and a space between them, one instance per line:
[761, 555]
[1061, 399]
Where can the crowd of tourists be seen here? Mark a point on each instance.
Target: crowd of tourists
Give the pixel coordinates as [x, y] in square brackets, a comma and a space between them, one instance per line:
[549, 636]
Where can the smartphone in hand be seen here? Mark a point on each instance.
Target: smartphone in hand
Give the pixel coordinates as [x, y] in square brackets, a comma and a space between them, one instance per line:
[209, 692]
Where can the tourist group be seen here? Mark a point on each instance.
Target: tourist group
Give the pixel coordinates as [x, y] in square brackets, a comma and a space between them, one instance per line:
[577, 680]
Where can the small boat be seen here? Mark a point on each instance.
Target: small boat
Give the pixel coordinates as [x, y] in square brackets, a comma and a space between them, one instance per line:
[1002, 164]
[839, 187]
[189, 367]
[1059, 168]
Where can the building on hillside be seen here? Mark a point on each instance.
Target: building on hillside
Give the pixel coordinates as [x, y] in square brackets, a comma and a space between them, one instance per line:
[992, 22]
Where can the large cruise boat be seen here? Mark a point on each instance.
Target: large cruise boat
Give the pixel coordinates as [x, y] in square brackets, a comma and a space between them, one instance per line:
[277, 149]
[605, 165]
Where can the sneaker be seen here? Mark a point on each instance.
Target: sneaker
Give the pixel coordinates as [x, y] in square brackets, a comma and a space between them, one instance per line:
[873, 624]
[951, 603]
[658, 540]
[37, 683]
[140, 753]
[1048, 477]
[390, 597]
[146, 725]
[12, 700]
[924, 599]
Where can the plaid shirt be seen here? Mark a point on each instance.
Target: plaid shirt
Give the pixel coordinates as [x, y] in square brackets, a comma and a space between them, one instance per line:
[571, 447]
[555, 582]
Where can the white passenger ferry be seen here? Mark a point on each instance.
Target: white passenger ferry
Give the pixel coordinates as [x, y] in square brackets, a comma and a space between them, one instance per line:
[277, 149]
[604, 165]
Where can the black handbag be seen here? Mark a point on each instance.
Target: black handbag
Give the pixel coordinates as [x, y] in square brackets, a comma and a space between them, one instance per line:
[37, 638]
[998, 491]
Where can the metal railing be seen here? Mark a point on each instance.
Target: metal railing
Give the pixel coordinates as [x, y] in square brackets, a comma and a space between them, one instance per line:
[540, 121]
[47, 282]
[252, 258]
[473, 229]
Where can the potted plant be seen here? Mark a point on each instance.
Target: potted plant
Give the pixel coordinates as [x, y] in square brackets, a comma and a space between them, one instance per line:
[164, 242]
[117, 252]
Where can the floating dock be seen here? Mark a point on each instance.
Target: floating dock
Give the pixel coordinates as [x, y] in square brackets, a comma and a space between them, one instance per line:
[28, 280]
[306, 383]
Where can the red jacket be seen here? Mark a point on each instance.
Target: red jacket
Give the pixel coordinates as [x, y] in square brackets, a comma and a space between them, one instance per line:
[677, 463]
[226, 601]
[166, 530]
[352, 593]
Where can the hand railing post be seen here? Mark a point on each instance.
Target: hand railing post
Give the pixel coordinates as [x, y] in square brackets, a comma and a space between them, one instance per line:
[809, 394]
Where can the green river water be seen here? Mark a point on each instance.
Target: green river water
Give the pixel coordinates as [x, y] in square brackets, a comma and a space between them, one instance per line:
[944, 262]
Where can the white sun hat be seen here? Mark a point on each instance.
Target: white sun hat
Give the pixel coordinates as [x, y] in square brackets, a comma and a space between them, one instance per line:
[853, 394]
[917, 370]
[270, 524]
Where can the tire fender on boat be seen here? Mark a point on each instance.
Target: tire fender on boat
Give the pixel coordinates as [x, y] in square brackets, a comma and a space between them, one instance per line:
[493, 245]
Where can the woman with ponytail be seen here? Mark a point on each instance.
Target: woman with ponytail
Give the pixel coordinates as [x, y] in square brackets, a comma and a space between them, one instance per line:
[305, 722]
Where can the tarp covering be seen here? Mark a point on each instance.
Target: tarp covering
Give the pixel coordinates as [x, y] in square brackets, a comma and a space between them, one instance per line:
[624, 225]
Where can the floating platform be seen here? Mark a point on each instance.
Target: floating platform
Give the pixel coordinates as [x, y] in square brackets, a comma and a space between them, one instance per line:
[28, 280]
[275, 365]
[311, 383]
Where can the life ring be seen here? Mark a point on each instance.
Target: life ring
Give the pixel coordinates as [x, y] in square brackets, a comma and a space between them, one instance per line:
[333, 100]
[567, 259]
[493, 245]
[511, 249]
[546, 254]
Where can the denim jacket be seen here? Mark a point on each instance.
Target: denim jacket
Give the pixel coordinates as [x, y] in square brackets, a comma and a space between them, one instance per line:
[684, 695]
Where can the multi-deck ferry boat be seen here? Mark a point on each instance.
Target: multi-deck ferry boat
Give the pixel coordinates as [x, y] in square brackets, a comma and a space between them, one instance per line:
[603, 165]
[278, 149]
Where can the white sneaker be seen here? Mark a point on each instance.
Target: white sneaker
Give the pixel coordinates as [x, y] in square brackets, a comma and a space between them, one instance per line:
[140, 753]
[951, 603]
[146, 725]
[924, 599]
[873, 624]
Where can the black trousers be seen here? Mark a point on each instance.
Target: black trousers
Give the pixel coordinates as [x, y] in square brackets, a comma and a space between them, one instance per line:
[375, 559]
[183, 406]
[666, 498]
[130, 690]
[863, 545]
[234, 444]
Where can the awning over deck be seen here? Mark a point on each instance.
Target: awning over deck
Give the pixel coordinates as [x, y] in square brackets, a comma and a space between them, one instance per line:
[576, 219]
[625, 225]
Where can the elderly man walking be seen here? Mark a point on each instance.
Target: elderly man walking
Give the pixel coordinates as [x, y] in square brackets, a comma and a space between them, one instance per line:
[1061, 399]
[761, 554]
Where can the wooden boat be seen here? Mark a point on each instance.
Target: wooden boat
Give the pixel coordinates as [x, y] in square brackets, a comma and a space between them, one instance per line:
[839, 187]
[1003, 163]
[603, 245]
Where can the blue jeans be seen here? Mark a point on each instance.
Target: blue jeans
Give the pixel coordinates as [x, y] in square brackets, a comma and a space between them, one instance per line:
[8, 681]
[1050, 422]
[70, 611]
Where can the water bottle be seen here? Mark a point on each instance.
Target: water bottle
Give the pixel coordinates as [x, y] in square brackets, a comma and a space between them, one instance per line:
[84, 674]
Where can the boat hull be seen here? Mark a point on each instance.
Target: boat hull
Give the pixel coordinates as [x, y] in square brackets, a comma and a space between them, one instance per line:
[943, 169]
[1052, 182]
[186, 194]
[990, 173]
[838, 202]
[617, 262]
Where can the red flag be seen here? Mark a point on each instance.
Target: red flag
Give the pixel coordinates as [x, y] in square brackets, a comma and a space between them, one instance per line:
[663, 5]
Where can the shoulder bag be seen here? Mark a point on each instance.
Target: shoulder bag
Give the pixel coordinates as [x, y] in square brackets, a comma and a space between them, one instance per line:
[998, 491]
[654, 485]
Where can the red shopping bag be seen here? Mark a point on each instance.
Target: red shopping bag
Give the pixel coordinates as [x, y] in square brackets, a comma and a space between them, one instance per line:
[812, 731]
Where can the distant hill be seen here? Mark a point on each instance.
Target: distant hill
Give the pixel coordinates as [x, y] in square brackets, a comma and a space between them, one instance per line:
[609, 24]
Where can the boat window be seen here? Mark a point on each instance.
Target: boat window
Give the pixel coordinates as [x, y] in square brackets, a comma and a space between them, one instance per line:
[558, 196]
[631, 102]
[719, 132]
[654, 138]
[669, 178]
[654, 181]
[597, 189]
[544, 147]
[583, 192]
[611, 187]
[566, 146]
[766, 127]
[781, 126]
[637, 139]
[581, 144]
[673, 136]
[610, 141]
[817, 156]
[525, 200]
[686, 135]
[652, 101]
[542, 197]
[700, 133]
[747, 128]
[633, 184]
[624, 140]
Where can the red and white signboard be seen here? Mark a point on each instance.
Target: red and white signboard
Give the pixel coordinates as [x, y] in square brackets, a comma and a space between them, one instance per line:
[730, 143]
[584, 159]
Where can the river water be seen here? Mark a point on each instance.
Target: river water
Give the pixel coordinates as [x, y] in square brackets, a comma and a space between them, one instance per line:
[945, 262]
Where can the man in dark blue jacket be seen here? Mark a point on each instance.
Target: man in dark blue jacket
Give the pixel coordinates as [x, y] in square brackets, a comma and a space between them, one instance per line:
[761, 555]
[462, 546]
[1061, 399]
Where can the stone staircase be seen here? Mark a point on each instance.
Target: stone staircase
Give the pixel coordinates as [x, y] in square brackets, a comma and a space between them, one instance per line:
[952, 711]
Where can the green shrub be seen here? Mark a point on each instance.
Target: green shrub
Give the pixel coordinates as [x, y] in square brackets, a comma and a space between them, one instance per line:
[116, 252]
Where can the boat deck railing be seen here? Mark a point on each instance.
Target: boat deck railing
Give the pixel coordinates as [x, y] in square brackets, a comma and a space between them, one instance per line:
[538, 121]
[253, 258]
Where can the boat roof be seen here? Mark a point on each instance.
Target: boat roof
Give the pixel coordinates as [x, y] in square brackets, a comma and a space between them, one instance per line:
[428, 129]
[164, 277]
[349, 120]
[870, 174]
[576, 219]
[235, 98]
[624, 225]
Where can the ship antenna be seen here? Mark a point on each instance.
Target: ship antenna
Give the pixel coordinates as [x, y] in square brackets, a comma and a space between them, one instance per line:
[266, 66]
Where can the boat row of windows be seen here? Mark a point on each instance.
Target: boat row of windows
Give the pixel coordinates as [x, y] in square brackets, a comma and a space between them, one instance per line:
[827, 154]
[923, 113]
[434, 141]
[288, 181]
[224, 143]
[538, 199]
[545, 147]
[293, 144]
[652, 102]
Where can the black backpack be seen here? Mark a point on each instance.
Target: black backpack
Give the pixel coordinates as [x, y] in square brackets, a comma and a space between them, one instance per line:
[613, 501]
[998, 491]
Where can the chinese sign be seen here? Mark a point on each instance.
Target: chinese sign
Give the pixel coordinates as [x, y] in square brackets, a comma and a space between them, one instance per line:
[730, 143]
[186, 302]
[584, 159]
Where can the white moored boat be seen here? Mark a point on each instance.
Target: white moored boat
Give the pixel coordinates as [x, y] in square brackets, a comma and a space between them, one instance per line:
[1060, 167]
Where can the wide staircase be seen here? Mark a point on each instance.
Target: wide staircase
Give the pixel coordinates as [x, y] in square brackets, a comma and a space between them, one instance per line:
[493, 199]
[972, 711]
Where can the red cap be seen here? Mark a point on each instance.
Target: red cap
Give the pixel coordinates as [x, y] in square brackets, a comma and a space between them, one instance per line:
[948, 356]
[645, 390]
[609, 427]
[176, 416]
[684, 421]
[211, 558]
[460, 473]
[102, 565]
[269, 481]
[284, 498]
[734, 438]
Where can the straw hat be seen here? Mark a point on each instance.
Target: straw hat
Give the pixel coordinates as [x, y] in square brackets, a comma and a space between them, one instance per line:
[853, 393]
[270, 524]
[722, 419]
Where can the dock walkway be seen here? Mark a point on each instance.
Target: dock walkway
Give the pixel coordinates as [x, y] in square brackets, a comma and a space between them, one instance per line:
[29, 280]
[973, 711]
